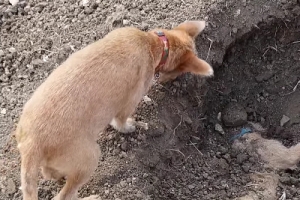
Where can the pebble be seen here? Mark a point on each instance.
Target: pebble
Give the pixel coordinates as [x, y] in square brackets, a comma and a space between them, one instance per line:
[3, 111]
[85, 2]
[37, 62]
[11, 186]
[13, 2]
[1, 53]
[145, 175]
[264, 76]
[234, 30]
[126, 22]
[12, 50]
[240, 158]
[285, 119]
[219, 128]
[88, 11]
[124, 146]
[123, 183]
[191, 187]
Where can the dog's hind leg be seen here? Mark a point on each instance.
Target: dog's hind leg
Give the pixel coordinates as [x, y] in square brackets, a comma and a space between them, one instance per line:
[78, 163]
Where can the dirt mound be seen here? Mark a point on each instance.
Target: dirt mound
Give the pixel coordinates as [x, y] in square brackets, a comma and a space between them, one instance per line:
[181, 156]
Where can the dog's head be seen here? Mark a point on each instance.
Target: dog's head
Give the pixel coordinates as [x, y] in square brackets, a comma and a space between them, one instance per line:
[182, 52]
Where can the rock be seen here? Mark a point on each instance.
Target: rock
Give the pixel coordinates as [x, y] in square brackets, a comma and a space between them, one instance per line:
[234, 30]
[126, 22]
[284, 179]
[1, 53]
[85, 2]
[219, 117]
[12, 50]
[88, 11]
[284, 120]
[13, 2]
[11, 186]
[219, 128]
[123, 183]
[234, 115]
[191, 187]
[37, 62]
[42, 4]
[240, 158]
[264, 76]
[3, 111]
[124, 146]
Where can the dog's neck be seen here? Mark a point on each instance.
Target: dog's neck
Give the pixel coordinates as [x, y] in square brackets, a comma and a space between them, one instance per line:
[165, 51]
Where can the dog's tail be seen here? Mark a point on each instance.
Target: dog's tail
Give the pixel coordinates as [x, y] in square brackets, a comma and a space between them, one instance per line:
[30, 163]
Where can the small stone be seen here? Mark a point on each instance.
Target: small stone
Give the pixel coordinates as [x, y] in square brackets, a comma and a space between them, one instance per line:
[240, 158]
[37, 62]
[123, 183]
[191, 187]
[246, 168]
[145, 175]
[284, 120]
[85, 2]
[234, 115]
[219, 117]
[284, 179]
[1, 53]
[264, 76]
[88, 11]
[234, 30]
[12, 50]
[126, 22]
[123, 154]
[106, 192]
[11, 186]
[27, 9]
[219, 128]
[13, 2]
[3, 111]
[237, 13]
[124, 146]
[42, 4]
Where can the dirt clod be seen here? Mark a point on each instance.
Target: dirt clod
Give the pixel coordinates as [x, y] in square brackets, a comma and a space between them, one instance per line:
[234, 115]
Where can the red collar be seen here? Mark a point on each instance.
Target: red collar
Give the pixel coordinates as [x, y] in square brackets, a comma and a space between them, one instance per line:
[165, 53]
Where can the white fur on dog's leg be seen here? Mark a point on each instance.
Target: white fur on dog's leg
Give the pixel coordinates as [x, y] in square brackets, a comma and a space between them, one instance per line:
[114, 124]
[129, 126]
[92, 197]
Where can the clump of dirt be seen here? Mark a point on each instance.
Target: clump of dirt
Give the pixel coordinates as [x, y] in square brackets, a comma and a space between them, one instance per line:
[181, 156]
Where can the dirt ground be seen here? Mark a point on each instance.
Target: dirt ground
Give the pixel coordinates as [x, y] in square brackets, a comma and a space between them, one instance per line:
[187, 152]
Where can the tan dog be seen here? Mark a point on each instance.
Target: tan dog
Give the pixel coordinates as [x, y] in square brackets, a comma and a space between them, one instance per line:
[100, 84]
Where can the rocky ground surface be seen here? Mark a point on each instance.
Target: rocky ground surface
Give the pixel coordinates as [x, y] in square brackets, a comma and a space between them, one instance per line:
[187, 152]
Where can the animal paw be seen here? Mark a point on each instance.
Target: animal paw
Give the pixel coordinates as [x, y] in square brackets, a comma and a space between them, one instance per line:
[129, 126]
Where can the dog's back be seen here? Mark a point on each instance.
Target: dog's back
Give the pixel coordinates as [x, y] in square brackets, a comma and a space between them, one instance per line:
[80, 98]
[99, 79]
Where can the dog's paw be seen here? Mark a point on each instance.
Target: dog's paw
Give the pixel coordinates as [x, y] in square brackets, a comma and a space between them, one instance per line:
[92, 197]
[129, 126]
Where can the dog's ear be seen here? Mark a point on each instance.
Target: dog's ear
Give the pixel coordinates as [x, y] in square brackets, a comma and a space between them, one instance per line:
[193, 28]
[191, 63]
